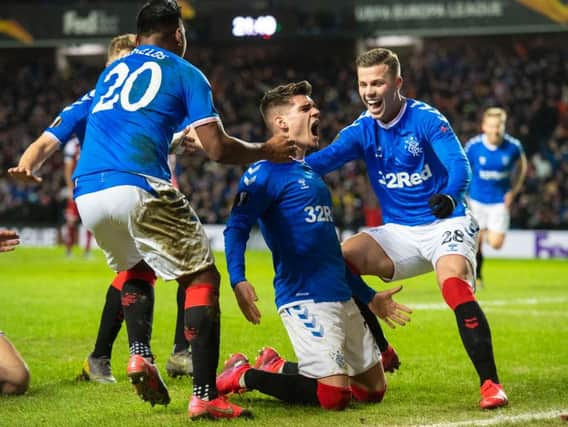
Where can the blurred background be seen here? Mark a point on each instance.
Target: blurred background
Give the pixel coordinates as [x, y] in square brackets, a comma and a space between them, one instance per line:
[459, 56]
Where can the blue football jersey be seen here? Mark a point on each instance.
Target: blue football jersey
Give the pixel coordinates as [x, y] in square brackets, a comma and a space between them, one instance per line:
[140, 100]
[408, 160]
[293, 208]
[72, 120]
[491, 167]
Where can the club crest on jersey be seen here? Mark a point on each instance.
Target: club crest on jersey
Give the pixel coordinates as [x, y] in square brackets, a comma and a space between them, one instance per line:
[505, 160]
[413, 146]
[482, 160]
[303, 184]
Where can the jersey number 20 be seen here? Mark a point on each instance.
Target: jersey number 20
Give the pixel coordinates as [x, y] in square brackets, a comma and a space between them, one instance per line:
[122, 86]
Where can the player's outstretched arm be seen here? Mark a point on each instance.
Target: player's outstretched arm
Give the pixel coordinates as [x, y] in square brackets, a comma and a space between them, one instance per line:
[246, 298]
[223, 148]
[32, 159]
[387, 309]
[9, 239]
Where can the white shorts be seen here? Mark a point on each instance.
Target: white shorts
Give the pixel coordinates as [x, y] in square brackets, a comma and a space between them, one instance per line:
[491, 216]
[131, 225]
[414, 250]
[330, 338]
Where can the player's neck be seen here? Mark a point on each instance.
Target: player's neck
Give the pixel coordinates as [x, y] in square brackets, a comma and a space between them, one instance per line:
[300, 153]
[397, 107]
[159, 41]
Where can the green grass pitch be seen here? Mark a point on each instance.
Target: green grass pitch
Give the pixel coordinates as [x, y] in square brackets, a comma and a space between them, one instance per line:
[50, 308]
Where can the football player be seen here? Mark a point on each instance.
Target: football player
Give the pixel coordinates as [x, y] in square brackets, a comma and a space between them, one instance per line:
[337, 355]
[499, 166]
[419, 173]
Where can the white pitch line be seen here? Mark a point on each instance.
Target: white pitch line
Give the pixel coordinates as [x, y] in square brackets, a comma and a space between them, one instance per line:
[490, 303]
[528, 313]
[530, 416]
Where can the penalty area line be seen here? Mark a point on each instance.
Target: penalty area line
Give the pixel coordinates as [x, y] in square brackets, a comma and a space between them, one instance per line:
[500, 419]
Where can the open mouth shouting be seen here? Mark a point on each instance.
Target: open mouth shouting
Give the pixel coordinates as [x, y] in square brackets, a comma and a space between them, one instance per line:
[375, 106]
[314, 130]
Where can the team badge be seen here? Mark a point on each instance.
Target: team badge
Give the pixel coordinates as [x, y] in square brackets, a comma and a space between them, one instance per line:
[413, 146]
[482, 160]
[505, 160]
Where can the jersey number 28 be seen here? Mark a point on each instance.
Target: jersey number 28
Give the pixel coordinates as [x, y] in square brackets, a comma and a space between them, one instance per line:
[122, 86]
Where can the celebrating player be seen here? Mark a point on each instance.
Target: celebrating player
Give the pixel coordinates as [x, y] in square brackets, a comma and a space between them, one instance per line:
[142, 223]
[419, 173]
[70, 126]
[499, 166]
[337, 355]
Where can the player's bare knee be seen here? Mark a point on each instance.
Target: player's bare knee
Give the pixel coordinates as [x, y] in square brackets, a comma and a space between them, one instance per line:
[496, 240]
[18, 383]
[497, 243]
[332, 397]
[450, 266]
[367, 256]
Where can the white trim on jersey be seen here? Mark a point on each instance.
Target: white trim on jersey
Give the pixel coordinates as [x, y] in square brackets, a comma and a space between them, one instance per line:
[394, 121]
[205, 121]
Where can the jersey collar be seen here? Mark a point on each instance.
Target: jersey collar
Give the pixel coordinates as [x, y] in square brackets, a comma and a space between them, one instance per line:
[487, 145]
[394, 121]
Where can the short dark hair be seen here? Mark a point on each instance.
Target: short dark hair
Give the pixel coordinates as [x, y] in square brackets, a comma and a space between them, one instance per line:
[280, 95]
[157, 16]
[379, 56]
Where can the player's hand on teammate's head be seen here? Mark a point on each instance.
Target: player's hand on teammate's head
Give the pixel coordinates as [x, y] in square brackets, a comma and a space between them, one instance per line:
[9, 239]
[246, 298]
[22, 174]
[280, 149]
[442, 205]
[387, 309]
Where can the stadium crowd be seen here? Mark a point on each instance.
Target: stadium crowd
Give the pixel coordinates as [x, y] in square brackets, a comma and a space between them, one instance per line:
[461, 79]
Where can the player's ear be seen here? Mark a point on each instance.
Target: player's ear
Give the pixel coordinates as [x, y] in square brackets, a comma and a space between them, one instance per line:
[399, 82]
[179, 37]
[137, 40]
[280, 123]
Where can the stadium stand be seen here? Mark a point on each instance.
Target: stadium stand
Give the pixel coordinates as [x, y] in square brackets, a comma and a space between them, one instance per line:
[527, 77]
